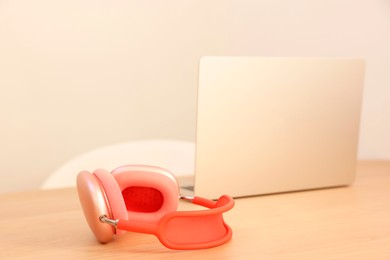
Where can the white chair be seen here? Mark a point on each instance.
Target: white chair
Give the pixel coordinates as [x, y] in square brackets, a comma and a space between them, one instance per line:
[176, 156]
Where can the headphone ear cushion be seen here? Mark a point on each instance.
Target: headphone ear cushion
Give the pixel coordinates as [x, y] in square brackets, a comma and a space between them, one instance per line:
[149, 192]
[113, 194]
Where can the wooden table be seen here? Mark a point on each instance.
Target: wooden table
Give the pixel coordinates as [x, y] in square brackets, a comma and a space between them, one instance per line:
[340, 223]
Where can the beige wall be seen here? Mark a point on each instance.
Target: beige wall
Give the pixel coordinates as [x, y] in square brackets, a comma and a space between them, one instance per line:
[79, 74]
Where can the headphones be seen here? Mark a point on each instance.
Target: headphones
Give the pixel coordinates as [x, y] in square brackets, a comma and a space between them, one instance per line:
[144, 199]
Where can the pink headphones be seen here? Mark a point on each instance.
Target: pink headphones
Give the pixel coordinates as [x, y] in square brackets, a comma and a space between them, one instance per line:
[144, 199]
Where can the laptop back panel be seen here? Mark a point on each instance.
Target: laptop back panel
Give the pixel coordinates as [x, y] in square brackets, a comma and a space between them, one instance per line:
[270, 125]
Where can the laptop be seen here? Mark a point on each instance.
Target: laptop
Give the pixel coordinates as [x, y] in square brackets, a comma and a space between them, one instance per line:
[272, 125]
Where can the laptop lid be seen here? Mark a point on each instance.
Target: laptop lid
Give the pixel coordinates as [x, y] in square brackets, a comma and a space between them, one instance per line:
[270, 125]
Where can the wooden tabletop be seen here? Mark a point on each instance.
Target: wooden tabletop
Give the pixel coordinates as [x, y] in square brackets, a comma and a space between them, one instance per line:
[339, 223]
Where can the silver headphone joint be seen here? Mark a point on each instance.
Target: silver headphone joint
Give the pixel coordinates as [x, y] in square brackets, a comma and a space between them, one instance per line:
[105, 219]
[187, 198]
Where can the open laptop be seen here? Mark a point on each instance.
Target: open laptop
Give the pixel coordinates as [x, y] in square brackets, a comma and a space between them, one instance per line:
[271, 125]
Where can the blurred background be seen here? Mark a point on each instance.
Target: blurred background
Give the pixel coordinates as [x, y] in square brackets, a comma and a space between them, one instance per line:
[76, 75]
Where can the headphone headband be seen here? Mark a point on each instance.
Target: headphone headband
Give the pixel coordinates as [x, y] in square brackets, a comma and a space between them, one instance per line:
[186, 229]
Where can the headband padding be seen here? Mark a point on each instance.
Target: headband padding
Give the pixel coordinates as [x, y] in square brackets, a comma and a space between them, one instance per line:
[114, 195]
[158, 183]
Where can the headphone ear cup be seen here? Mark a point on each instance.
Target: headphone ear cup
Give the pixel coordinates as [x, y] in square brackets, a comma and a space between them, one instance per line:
[149, 192]
[113, 194]
[91, 195]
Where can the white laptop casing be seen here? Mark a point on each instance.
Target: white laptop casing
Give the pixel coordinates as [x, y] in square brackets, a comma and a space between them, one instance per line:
[270, 125]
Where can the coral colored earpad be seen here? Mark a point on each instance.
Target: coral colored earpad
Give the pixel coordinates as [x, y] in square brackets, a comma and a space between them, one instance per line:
[149, 192]
[114, 196]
